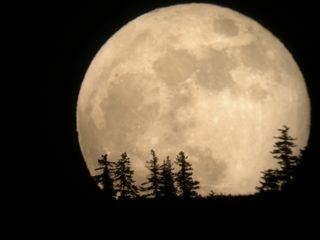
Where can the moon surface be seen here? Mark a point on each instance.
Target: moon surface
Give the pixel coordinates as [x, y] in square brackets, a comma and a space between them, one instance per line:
[198, 78]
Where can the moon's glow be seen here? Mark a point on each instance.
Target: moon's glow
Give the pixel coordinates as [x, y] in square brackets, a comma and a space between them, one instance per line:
[198, 78]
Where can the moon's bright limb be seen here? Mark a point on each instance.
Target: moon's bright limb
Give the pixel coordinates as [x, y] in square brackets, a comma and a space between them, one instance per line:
[198, 78]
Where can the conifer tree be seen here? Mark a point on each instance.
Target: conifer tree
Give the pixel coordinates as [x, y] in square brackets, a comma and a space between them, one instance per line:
[270, 181]
[283, 176]
[186, 185]
[284, 154]
[153, 180]
[105, 178]
[167, 187]
[123, 175]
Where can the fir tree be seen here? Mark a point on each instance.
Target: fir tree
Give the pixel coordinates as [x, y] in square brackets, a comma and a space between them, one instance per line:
[270, 181]
[186, 185]
[125, 185]
[282, 177]
[286, 160]
[105, 178]
[167, 188]
[153, 179]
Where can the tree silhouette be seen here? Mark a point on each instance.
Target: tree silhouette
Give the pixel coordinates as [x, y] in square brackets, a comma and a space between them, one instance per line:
[283, 153]
[167, 188]
[105, 178]
[270, 181]
[186, 185]
[123, 175]
[153, 179]
[280, 179]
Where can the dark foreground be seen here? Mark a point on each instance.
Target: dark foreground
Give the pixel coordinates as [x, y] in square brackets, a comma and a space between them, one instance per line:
[277, 210]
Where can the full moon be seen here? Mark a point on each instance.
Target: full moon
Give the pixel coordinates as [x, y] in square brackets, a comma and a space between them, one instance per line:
[197, 78]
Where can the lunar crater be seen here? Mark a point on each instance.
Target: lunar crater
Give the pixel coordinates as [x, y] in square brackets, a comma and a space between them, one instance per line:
[175, 66]
[225, 26]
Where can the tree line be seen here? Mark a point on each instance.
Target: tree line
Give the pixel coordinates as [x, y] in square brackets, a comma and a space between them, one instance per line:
[116, 178]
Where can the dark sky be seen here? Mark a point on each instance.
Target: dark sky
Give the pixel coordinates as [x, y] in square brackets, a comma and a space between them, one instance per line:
[76, 33]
